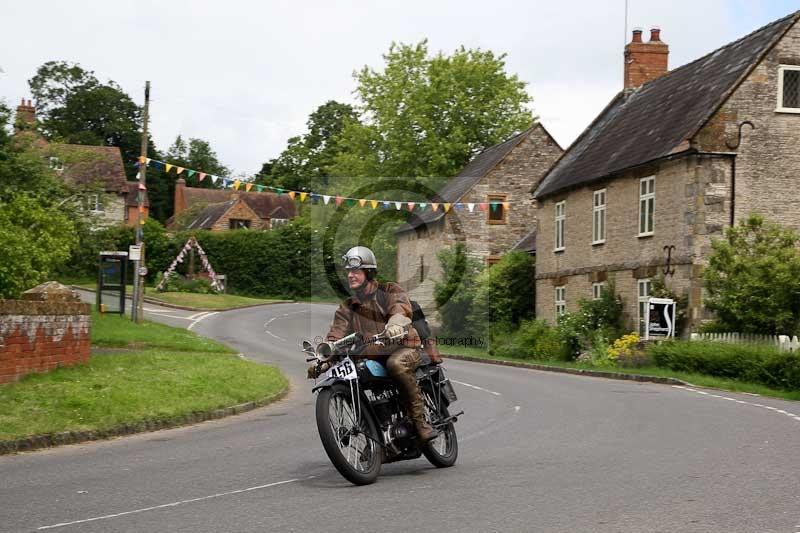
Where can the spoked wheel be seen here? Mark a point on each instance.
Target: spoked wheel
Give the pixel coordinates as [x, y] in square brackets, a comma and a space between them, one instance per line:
[348, 437]
[443, 450]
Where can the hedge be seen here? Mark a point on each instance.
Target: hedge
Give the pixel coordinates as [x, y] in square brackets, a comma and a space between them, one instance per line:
[746, 362]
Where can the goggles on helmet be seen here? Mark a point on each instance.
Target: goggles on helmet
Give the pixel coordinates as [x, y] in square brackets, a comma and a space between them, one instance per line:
[352, 261]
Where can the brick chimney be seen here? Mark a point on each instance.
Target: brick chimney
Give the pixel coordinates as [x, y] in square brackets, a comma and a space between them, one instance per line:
[180, 201]
[26, 116]
[645, 61]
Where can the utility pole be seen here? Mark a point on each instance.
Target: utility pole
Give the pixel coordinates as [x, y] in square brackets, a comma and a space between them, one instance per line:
[140, 270]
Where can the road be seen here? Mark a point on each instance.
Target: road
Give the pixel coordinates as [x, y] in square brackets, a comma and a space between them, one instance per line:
[539, 451]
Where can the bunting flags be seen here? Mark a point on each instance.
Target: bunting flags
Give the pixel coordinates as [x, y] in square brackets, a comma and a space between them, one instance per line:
[237, 183]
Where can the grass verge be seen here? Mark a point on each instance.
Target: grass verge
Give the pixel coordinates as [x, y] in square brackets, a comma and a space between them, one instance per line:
[164, 373]
[700, 380]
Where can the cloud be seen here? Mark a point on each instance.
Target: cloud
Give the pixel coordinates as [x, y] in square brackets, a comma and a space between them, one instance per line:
[245, 75]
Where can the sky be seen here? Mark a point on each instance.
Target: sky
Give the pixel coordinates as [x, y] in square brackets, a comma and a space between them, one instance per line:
[245, 75]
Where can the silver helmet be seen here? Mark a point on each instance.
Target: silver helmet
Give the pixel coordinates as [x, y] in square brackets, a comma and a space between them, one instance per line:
[359, 257]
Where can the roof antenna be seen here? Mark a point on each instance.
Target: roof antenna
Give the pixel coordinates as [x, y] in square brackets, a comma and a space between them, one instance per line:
[625, 37]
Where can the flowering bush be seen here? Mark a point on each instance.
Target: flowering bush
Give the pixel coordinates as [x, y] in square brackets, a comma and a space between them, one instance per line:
[624, 347]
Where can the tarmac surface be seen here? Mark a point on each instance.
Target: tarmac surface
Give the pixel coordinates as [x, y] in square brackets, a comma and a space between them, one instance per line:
[539, 451]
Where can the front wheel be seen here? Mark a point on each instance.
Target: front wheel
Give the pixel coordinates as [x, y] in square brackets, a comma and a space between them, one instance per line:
[348, 438]
[442, 451]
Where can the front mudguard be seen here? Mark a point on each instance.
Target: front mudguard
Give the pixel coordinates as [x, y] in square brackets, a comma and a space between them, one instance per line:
[328, 383]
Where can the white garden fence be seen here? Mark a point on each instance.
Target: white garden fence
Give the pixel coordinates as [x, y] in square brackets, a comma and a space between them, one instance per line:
[784, 343]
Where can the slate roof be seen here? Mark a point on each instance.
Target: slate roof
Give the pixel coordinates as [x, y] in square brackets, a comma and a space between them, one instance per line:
[658, 119]
[527, 243]
[263, 203]
[476, 169]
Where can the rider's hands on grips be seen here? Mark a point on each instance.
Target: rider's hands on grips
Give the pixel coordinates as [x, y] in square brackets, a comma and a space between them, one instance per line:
[395, 330]
[315, 370]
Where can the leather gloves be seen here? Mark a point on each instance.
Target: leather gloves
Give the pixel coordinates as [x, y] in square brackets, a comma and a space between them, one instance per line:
[394, 330]
[396, 327]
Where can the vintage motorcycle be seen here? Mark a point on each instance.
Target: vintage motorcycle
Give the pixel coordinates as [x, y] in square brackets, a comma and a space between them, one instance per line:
[359, 415]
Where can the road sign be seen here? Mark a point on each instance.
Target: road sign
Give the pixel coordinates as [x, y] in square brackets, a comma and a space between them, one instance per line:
[660, 318]
[135, 252]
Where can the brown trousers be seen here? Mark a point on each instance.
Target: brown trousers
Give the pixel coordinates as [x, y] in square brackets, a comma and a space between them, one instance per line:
[402, 365]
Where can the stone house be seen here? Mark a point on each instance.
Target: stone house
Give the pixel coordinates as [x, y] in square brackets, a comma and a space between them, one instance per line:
[225, 209]
[502, 174]
[97, 173]
[673, 160]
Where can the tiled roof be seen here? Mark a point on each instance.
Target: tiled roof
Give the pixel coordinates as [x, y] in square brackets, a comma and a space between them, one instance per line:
[658, 119]
[92, 165]
[476, 169]
[527, 243]
[262, 203]
[206, 218]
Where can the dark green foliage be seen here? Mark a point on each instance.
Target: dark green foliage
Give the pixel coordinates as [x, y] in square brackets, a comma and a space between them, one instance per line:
[306, 161]
[280, 262]
[455, 294]
[427, 115]
[745, 362]
[753, 278]
[534, 339]
[603, 317]
[182, 284]
[505, 293]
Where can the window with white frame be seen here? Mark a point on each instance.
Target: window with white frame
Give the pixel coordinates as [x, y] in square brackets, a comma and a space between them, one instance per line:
[644, 287]
[599, 217]
[597, 290]
[789, 88]
[561, 301]
[94, 203]
[647, 204]
[275, 222]
[561, 217]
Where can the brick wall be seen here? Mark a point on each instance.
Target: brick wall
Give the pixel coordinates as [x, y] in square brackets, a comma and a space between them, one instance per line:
[49, 328]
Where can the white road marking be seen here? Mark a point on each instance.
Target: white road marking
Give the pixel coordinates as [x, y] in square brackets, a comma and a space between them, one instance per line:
[517, 408]
[476, 387]
[173, 504]
[197, 316]
[774, 409]
[268, 322]
[202, 316]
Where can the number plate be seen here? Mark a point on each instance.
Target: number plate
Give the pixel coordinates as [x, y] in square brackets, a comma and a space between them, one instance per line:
[345, 370]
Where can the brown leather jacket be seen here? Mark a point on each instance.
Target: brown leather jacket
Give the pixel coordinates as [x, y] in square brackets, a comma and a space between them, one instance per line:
[368, 311]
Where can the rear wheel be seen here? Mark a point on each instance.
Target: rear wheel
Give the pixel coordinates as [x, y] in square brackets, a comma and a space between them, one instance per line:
[348, 435]
[442, 451]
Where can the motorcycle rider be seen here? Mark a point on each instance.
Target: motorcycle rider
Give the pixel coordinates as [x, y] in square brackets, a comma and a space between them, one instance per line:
[372, 308]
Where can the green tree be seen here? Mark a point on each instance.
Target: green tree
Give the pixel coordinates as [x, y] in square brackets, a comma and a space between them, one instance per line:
[505, 293]
[196, 154]
[753, 278]
[74, 107]
[429, 115]
[306, 161]
[455, 294]
[34, 239]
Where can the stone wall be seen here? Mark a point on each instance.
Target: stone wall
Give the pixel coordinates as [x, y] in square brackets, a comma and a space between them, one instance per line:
[768, 158]
[49, 328]
[515, 176]
[692, 203]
